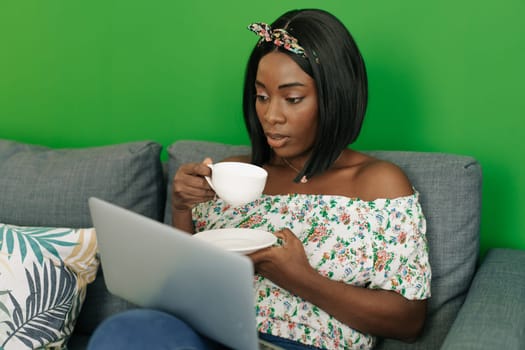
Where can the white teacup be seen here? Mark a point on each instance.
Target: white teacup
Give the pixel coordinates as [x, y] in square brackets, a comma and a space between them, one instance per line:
[237, 183]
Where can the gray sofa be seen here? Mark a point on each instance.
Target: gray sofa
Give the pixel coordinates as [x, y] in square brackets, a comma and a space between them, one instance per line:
[473, 306]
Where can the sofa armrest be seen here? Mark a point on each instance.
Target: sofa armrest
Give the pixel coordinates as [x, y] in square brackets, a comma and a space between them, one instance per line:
[493, 315]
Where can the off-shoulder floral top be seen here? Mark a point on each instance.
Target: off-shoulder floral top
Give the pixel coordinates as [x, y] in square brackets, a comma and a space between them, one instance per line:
[379, 244]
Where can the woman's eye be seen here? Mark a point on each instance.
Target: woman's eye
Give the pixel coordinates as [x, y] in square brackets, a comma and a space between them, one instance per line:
[294, 100]
[261, 98]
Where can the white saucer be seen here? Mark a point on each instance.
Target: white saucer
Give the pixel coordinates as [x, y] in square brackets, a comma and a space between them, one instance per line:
[239, 240]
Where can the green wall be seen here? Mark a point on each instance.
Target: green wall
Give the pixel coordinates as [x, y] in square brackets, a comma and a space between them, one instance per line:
[445, 76]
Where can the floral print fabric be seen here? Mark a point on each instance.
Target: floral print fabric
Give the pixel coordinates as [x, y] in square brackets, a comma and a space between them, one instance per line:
[378, 244]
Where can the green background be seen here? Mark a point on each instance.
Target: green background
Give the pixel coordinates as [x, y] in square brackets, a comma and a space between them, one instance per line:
[444, 76]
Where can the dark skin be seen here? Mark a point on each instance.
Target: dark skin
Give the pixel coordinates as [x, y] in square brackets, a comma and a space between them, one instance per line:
[287, 108]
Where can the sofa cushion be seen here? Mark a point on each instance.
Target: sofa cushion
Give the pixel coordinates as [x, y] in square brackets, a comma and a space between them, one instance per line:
[450, 194]
[44, 273]
[41, 186]
[493, 315]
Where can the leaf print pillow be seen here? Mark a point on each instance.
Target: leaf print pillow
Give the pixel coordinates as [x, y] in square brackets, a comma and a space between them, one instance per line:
[44, 273]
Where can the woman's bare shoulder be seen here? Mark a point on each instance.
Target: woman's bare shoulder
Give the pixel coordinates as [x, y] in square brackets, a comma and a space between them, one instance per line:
[382, 179]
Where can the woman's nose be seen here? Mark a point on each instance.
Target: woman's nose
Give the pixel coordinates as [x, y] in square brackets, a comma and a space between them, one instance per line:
[273, 113]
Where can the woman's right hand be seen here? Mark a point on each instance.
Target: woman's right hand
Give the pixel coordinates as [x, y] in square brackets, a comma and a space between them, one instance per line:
[190, 187]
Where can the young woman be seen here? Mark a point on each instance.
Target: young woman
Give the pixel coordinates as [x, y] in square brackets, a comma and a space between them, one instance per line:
[353, 264]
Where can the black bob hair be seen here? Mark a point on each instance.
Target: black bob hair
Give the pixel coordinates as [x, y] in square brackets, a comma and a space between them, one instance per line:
[335, 63]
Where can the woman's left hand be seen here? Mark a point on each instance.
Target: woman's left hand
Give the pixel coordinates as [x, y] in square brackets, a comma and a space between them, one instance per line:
[282, 264]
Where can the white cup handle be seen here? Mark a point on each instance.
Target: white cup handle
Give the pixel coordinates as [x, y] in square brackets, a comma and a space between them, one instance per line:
[208, 179]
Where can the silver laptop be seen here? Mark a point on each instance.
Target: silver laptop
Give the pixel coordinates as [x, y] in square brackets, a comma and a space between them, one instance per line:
[157, 266]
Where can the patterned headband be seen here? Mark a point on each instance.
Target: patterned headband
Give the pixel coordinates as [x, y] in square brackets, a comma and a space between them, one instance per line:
[279, 37]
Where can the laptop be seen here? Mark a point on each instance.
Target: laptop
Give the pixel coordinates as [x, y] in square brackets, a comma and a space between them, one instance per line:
[154, 265]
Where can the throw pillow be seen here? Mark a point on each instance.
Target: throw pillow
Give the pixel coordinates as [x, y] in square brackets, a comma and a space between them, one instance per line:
[44, 273]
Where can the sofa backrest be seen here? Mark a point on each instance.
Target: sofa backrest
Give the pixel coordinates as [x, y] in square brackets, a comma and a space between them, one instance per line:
[41, 186]
[450, 193]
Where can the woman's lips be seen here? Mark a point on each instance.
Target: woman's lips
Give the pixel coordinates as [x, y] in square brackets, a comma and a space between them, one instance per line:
[276, 140]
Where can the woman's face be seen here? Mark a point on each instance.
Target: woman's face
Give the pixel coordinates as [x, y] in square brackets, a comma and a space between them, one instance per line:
[286, 105]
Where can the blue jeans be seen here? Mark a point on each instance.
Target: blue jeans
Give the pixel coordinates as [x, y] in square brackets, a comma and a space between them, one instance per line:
[153, 329]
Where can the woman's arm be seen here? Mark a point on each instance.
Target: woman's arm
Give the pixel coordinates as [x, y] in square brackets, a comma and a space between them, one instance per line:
[378, 312]
[181, 219]
[374, 311]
